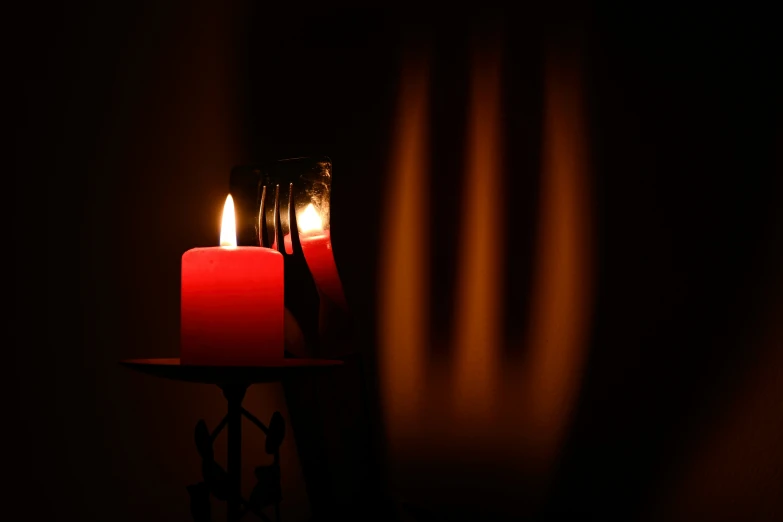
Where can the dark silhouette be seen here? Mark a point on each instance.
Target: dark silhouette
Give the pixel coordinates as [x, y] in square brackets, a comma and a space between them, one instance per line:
[215, 477]
[274, 437]
[200, 506]
[225, 484]
[267, 491]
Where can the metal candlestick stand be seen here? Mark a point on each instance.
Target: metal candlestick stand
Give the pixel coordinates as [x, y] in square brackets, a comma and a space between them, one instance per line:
[234, 381]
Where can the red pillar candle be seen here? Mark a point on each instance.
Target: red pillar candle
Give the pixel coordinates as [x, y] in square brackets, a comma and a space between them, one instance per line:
[317, 250]
[232, 302]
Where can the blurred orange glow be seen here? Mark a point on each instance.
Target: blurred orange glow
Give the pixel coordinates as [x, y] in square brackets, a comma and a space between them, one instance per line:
[562, 284]
[477, 324]
[404, 300]
[514, 410]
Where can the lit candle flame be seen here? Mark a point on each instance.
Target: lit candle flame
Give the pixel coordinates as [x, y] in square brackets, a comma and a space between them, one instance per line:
[309, 220]
[228, 230]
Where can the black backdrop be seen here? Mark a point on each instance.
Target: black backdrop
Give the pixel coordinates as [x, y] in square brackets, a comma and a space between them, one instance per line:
[132, 116]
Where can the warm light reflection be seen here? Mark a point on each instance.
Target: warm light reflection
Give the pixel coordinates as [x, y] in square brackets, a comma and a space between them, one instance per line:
[309, 220]
[445, 396]
[228, 230]
[477, 327]
[403, 301]
[560, 302]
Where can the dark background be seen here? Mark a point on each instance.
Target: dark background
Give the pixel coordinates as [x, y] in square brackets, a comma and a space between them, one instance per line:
[133, 115]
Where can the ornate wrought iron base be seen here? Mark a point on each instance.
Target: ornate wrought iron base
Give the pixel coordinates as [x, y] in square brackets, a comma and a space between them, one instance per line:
[225, 484]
